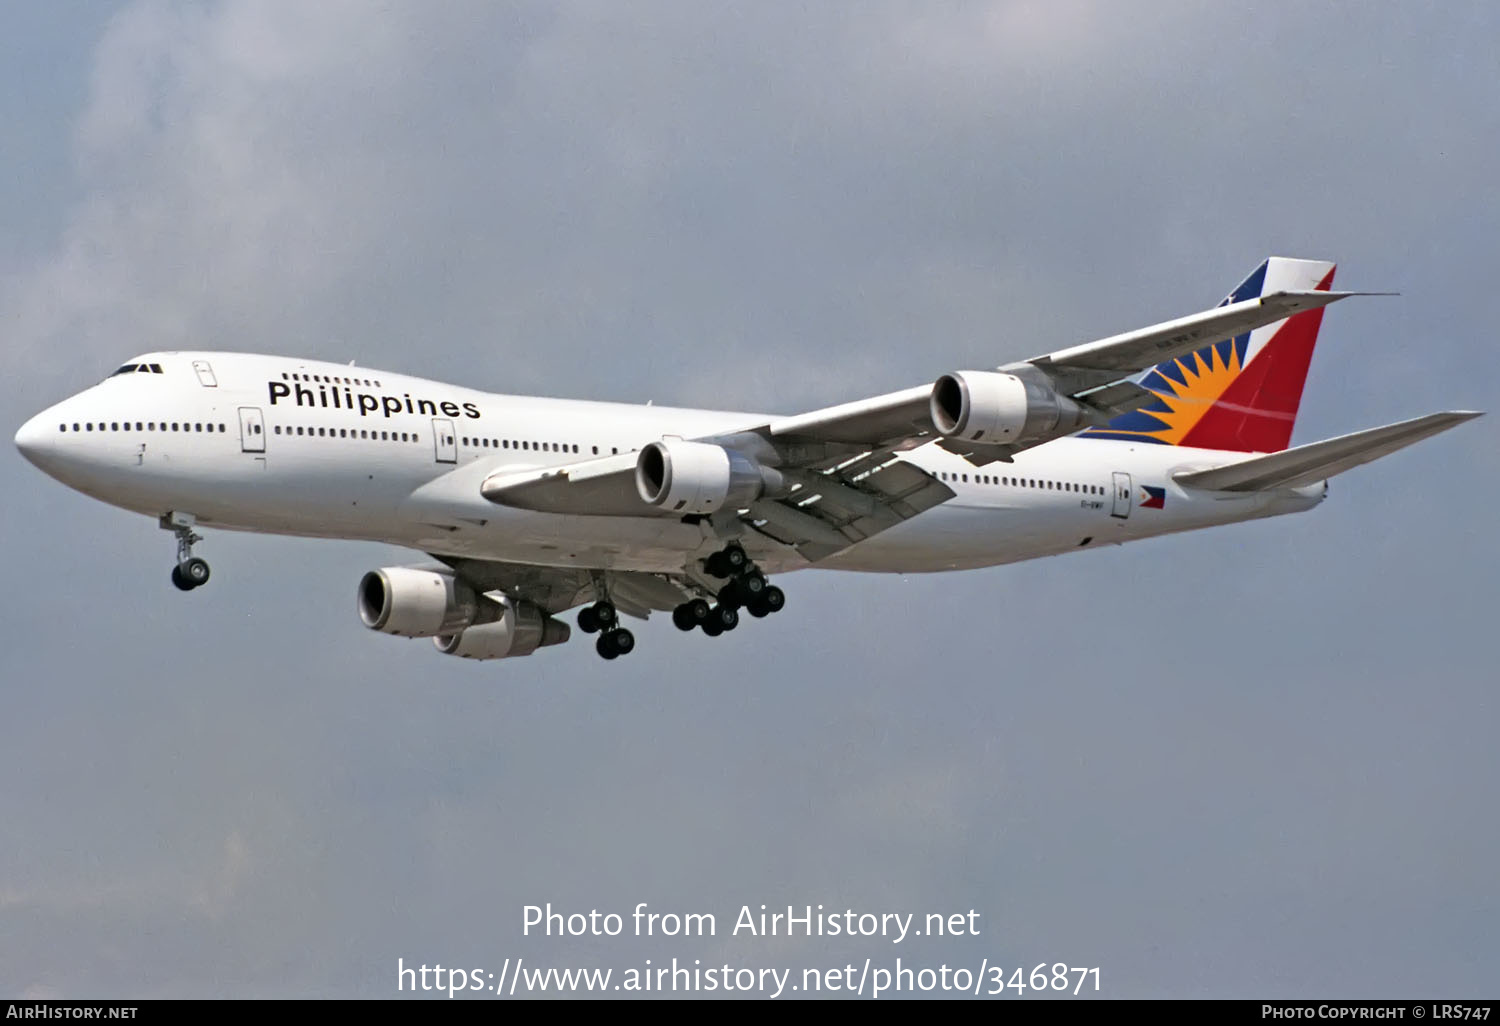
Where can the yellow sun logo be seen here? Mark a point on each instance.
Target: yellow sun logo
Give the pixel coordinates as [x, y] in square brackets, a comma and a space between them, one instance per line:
[1203, 384]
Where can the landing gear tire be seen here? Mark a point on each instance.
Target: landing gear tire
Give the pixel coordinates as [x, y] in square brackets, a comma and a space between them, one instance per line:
[750, 587]
[623, 640]
[769, 601]
[605, 615]
[690, 614]
[182, 583]
[194, 571]
[711, 628]
[615, 643]
[727, 562]
[727, 617]
[588, 622]
[735, 558]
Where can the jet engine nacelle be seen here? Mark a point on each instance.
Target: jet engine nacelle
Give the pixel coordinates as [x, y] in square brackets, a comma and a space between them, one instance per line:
[993, 408]
[699, 477]
[415, 603]
[521, 629]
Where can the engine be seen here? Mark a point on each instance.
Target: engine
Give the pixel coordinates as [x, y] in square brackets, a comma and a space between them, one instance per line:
[698, 477]
[992, 408]
[415, 603]
[521, 629]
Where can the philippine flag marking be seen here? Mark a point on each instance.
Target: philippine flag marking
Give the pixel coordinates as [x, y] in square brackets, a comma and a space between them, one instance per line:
[1156, 498]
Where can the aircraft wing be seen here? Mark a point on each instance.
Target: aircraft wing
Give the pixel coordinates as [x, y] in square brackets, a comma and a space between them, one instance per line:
[822, 511]
[555, 590]
[841, 479]
[1095, 375]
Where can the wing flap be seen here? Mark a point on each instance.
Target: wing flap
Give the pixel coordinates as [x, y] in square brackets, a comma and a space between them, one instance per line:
[1307, 464]
[558, 589]
[829, 512]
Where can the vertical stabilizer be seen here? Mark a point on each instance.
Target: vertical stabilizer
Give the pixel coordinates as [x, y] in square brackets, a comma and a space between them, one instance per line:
[1240, 394]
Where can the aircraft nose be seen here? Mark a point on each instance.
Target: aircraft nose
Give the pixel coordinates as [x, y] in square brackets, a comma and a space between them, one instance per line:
[33, 438]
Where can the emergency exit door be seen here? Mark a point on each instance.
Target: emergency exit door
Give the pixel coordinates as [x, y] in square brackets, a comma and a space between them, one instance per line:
[252, 430]
[1124, 494]
[444, 441]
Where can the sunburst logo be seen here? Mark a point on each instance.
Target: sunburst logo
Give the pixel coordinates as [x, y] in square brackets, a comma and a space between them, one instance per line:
[1185, 390]
[1202, 384]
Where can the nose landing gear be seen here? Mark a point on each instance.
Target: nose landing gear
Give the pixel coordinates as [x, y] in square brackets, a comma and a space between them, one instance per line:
[190, 571]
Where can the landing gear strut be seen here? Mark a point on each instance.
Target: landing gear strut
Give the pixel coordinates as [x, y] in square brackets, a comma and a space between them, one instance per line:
[745, 588]
[190, 571]
[602, 619]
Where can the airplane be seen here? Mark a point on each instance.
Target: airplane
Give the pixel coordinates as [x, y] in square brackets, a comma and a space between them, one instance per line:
[531, 507]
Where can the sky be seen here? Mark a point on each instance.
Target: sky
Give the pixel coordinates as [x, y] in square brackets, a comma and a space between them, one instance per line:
[1251, 762]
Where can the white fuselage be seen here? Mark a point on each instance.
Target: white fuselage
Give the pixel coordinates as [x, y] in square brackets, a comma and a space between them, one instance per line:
[286, 446]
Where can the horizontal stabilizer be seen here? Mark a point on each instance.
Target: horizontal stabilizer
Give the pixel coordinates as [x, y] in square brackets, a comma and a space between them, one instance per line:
[1309, 463]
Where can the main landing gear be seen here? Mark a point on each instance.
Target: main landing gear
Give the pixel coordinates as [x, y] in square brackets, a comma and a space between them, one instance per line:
[190, 571]
[602, 619]
[746, 588]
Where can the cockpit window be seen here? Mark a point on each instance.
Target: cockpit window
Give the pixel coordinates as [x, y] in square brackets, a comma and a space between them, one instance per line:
[138, 368]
